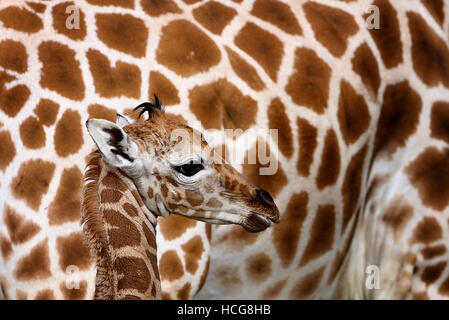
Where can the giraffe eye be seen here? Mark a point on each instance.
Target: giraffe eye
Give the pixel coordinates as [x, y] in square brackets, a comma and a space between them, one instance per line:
[189, 169]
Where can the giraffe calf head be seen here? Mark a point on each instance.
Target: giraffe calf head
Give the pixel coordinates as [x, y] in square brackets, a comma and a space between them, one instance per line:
[176, 172]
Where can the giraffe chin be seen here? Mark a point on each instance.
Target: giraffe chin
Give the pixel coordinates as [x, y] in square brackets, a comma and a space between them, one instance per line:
[255, 222]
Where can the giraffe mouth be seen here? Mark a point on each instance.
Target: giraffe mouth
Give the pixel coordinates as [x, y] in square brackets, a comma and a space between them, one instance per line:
[252, 222]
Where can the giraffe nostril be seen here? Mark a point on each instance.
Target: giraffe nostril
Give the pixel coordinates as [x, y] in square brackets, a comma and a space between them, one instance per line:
[265, 197]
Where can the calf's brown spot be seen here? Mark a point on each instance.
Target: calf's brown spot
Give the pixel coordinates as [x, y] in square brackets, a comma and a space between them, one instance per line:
[122, 232]
[214, 203]
[133, 274]
[195, 198]
[130, 209]
[111, 180]
[149, 235]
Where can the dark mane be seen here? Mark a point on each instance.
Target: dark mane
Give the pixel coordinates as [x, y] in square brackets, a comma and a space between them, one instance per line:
[149, 107]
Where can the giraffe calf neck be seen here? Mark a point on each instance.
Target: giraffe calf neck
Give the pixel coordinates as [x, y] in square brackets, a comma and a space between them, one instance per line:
[120, 232]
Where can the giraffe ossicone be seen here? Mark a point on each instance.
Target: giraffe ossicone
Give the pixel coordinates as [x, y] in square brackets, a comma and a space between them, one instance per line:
[141, 171]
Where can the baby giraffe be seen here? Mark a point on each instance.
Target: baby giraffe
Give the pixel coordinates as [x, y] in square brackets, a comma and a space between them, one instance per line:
[148, 169]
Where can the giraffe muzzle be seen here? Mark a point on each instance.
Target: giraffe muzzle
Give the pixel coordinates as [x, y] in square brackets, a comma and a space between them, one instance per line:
[265, 198]
[269, 209]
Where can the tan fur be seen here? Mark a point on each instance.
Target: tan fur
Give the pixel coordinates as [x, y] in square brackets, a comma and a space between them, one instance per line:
[93, 227]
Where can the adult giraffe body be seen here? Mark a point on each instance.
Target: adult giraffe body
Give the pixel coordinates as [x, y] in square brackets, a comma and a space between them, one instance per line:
[361, 113]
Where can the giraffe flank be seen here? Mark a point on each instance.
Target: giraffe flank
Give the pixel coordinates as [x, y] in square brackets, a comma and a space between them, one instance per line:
[146, 170]
[362, 147]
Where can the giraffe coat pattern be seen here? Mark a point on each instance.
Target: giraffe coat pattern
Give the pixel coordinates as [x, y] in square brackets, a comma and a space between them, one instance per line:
[362, 151]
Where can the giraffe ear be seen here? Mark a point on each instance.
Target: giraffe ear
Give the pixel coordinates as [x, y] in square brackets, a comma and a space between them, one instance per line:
[122, 120]
[116, 147]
